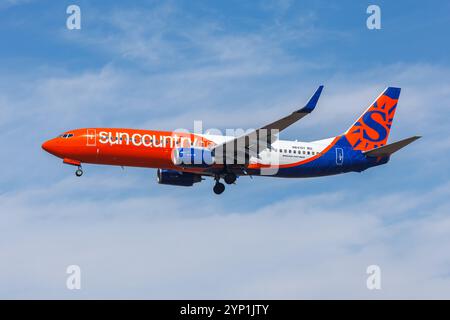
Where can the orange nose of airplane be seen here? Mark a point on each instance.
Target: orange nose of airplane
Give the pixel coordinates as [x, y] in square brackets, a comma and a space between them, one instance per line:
[49, 146]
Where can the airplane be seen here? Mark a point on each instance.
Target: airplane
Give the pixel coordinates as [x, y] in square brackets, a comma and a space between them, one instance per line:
[184, 158]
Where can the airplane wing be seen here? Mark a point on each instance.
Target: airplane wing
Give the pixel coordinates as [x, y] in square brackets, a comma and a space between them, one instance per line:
[389, 149]
[264, 136]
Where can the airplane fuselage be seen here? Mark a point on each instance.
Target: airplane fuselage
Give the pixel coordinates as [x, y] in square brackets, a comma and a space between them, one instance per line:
[154, 149]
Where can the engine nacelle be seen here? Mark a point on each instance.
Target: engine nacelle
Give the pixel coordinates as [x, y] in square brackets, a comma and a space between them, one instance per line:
[177, 178]
[192, 157]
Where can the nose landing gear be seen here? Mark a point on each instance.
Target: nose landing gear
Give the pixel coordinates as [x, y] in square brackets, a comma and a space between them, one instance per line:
[79, 172]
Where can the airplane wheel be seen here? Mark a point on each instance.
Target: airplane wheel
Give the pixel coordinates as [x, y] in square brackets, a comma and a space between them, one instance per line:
[79, 173]
[229, 178]
[219, 188]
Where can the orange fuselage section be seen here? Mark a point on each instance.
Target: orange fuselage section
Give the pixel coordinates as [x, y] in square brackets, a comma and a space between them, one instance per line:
[122, 147]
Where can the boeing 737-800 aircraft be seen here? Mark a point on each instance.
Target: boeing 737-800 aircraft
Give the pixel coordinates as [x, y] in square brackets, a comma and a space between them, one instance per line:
[183, 158]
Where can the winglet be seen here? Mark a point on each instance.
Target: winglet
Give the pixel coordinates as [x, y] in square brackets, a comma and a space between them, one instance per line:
[389, 149]
[312, 102]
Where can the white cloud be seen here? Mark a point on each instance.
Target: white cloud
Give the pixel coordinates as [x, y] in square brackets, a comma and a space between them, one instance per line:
[5, 4]
[154, 247]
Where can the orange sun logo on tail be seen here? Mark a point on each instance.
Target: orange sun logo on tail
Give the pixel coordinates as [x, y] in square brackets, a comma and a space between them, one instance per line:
[372, 129]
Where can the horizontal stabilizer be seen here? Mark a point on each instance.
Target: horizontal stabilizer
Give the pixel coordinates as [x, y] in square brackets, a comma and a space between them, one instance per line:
[389, 149]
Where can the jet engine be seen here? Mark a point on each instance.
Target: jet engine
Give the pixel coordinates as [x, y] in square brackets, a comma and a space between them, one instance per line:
[177, 178]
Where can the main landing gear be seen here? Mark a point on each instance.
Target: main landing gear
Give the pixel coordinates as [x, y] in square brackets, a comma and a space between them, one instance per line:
[79, 172]
[219, 187]
[230, 178]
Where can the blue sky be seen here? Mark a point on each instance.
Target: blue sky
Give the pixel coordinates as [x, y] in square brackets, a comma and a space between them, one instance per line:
[162, 65]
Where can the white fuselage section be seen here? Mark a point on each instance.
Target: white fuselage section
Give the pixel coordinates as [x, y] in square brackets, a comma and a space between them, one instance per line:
[282, 151]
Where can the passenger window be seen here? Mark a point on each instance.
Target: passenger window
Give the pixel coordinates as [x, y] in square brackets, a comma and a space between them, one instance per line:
[309, 152]
[290, 150]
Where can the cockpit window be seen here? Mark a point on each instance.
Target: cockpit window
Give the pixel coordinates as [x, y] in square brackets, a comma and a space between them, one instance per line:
[66, 135]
